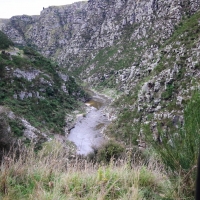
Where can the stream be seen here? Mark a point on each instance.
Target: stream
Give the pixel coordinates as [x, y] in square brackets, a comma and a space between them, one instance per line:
[87, 132]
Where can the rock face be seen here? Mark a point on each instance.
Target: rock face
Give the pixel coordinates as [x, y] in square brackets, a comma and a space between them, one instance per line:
[149, 50]
[94, 39]
[75, 31]
[17, 132]
[8, 136]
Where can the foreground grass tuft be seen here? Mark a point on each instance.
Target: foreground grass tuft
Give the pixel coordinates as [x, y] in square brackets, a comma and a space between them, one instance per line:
[51, 175]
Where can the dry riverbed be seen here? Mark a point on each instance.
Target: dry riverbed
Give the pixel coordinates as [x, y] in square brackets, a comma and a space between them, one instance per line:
[87, 133]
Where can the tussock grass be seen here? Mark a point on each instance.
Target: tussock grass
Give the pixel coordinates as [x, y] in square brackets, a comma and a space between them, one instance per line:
[50, 174]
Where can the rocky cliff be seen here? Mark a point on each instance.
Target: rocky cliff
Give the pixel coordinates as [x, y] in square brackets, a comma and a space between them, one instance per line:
[76, 34]
[148, 50]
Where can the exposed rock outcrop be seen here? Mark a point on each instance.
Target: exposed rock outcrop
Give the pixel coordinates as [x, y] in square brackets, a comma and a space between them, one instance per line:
[76, 31]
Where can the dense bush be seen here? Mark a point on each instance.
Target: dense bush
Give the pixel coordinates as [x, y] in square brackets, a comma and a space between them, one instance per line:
[30, 51]
[167, 94]
[4, 41]
[110, 150]
[16, 127]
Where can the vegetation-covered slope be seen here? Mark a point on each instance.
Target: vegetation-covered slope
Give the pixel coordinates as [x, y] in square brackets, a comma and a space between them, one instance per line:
[4, 41]
[159, 98]
[49, 174]
[36, 91]
[146, 51]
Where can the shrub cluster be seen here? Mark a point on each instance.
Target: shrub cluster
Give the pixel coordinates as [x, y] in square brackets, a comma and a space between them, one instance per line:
[4, 41]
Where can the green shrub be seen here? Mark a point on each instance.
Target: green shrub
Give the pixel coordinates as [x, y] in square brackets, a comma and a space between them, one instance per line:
[167, 94]
[108, 151]
[29, 51]
[17, 60]
[197, 66]
[4, 41]
[17, 128]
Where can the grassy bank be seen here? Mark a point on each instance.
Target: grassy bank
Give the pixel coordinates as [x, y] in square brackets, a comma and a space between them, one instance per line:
[50, 175]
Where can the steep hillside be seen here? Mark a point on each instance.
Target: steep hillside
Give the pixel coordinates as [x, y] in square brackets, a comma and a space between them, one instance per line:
[35, 96]
[158, 99]
[147, 50]
[123, 32]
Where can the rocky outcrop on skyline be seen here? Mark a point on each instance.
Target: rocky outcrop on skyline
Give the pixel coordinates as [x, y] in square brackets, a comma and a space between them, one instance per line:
[77, 30]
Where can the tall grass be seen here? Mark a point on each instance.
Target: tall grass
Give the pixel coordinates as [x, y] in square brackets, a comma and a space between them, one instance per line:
[179, 151]
[50, 174]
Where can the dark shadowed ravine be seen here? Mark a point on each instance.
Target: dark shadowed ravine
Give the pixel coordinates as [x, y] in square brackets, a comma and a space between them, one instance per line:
[87, 132]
